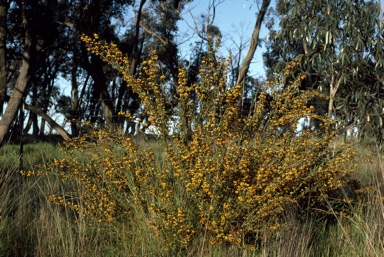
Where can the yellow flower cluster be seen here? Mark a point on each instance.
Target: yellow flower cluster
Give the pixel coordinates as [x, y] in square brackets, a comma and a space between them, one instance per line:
[108, 52]
[125, 115]
[29, 173]
[152, 89]
[107, 169]
[290, 67]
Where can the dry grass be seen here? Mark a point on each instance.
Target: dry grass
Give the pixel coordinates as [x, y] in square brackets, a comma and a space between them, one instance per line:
[31, 225]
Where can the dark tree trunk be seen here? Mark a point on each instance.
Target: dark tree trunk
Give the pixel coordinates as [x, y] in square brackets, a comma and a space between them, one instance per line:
[3, 37]
[100, 90]
[74, 112]
[33, 116]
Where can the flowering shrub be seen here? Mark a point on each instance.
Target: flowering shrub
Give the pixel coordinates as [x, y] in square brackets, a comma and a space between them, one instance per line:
[222, 175]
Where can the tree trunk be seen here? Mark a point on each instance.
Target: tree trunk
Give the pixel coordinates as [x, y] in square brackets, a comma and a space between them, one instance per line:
[35, 122]
[3, 36]
[333, 87]
[21, 84]
[48, 119]
[100, 90]
[74, 112]
[17, 95]
[100, 94]
[42, 128]
[253, 46]
[135, 51]
[29, 124]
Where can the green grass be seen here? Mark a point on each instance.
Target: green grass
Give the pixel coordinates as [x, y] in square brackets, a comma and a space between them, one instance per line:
[33, 153]
[31, 225]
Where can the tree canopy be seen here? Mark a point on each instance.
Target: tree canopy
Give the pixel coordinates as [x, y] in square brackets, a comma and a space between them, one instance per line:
[341, 43]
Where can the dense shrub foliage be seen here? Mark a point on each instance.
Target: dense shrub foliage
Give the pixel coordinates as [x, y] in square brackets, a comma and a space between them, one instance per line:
[221, 175]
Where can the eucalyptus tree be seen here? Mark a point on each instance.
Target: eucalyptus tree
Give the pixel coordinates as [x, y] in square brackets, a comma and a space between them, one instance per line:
[339, 40]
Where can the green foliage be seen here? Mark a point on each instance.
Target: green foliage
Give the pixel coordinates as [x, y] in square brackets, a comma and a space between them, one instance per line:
[342, 43]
